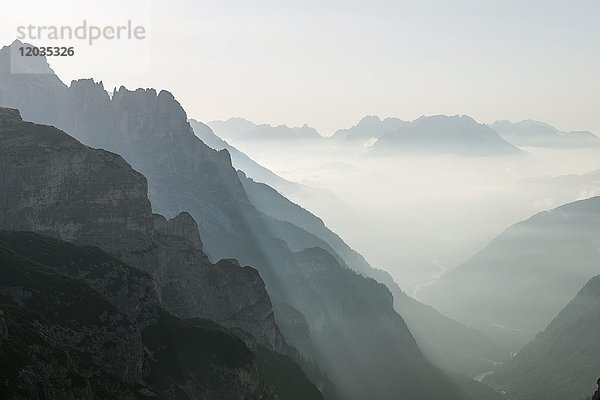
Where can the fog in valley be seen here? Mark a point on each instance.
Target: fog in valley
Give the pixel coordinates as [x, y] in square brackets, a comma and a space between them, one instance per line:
[419, 215]
[300, 200]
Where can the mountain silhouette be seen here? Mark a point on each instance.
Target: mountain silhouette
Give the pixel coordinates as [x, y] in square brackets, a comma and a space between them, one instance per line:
[440, 134]
[238, 130]
[564, 359]
[539, 134]
[515, 286]
[363, 344]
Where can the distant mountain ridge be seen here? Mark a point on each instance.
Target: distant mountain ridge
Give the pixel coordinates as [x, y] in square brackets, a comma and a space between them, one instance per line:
[540, 134]
[440, 134]
[239, 129]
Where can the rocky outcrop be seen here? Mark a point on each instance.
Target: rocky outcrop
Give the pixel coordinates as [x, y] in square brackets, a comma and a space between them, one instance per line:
[182, 225]
[10, 116]
[54, 185]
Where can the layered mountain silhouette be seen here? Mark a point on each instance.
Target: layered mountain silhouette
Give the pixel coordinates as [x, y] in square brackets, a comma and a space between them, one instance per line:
[563, 361]
[539, 134]
[515, 286]
[313, 198]
[56, 186]
[357, 337]
[440, 134]
[238, 129]
[449, 344]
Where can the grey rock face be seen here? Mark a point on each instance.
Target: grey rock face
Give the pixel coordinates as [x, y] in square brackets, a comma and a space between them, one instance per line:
[3, 327]
[54, 185]
[10, 116]
[182, 225]
[83, 321]
[71, 341]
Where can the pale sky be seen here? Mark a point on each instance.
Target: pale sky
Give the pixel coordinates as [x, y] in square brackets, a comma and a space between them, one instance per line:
[329, 63]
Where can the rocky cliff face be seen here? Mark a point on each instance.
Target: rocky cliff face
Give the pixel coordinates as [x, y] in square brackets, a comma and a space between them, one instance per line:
[183, 226]
[67, 340]
[54, 185]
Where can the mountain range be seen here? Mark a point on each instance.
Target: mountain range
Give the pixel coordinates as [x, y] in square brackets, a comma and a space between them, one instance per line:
[349, 317]
[205, 279]
[437, 134]
[440, 134]
[238, 129]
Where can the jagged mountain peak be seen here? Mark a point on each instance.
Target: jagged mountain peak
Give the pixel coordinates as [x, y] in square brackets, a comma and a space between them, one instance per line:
[12, 61]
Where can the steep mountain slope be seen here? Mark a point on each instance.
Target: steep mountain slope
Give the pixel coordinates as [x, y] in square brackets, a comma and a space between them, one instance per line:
[40, 91]
[151, 131]
[63, 339]
[539, 134]
[54, 185]
[312, 198]
[341, 306]
[515, 286]
[563, 361]
[441, 134]
[449, 344]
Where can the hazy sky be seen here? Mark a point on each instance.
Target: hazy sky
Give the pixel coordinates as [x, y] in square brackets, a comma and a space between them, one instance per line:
[329, 63]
